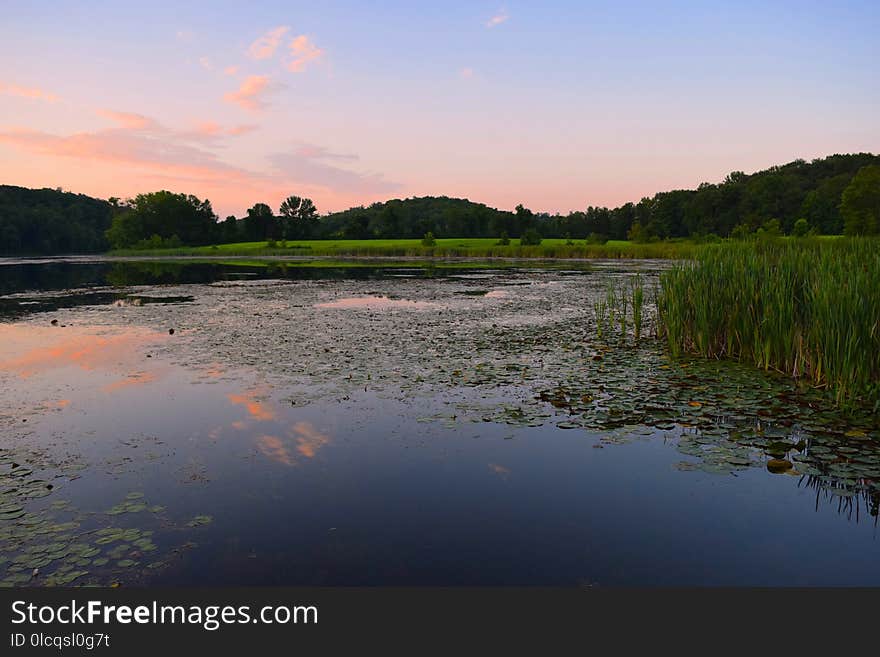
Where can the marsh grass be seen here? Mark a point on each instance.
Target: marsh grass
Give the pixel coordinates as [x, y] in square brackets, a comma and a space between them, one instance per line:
[807, 308]
[637, 291]
[621, 307]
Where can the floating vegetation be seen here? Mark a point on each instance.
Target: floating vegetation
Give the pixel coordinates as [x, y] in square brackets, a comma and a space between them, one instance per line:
[199, 521]
[57, 544]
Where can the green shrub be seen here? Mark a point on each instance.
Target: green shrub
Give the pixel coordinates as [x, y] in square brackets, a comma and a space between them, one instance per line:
[800, 228]
[530, 237]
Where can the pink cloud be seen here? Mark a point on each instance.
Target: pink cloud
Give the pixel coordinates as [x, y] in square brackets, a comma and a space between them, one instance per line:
[212, 129]
[27, 92]
[498, 18]
[467, 72]
[248, 94]
[128, 120]
[156, 154]
[209, 129]
[307, 164]
[230, 70]
[137, 153]
[320, 152]
[265, 46]
[242, 129]
[303, 51]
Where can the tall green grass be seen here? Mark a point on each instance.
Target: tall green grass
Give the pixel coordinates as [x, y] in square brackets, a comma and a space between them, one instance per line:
[808, 308]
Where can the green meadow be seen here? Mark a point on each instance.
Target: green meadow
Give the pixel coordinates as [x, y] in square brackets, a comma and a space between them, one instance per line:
[443, 248]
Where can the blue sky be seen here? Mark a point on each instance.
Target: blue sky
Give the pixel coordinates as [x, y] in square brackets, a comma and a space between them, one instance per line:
[557, 105]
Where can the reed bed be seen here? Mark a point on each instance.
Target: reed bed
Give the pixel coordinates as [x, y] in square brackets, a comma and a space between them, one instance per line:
[808, 308]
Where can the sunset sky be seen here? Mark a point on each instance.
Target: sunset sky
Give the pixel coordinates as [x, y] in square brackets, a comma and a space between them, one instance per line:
[556, 105]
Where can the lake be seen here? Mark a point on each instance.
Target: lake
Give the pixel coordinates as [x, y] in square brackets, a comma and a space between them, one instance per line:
[271, 423]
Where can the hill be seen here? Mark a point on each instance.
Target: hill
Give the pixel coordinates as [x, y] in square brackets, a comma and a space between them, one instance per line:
[46, 221]
[49, 221]
[413, 217]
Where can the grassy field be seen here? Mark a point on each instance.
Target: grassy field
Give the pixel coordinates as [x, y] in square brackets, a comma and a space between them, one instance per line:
[444, 248]
[808, 308]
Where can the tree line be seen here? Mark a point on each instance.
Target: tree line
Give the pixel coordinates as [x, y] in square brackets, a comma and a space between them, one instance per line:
[834, 195]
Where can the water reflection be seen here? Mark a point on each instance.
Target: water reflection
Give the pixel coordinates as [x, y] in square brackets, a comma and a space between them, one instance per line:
[29, 350]
[308, 439]
[258, 410]
[275, 449]
[134, 379]
[302, 437]
[377, 302]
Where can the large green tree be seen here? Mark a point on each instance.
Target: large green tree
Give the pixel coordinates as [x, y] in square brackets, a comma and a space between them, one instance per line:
[860, 203]
[163, 216]
[299, 218]
[260, 224]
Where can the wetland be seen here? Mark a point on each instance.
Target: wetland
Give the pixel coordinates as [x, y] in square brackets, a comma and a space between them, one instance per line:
[175, 423]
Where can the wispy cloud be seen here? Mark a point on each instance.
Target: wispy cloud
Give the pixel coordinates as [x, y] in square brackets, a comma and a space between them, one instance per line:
[320, 152]
[500, 17]
[120, 146]
[249, 95]
[467, 72]
[303, 51]
[144, 149]
[236, 130]
[266, 45]
[144, 145]
[27, 92]
[205, 63]
[212, 129]
[313, 166]
[230, 70]
[128, 120]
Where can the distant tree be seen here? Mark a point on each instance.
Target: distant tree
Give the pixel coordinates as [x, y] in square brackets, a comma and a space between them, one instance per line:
[524, 219]
[821, 206]
[260, 224]
[299, 217]
[860, 203]
[429, 240]
[504, 240]
[229, 230]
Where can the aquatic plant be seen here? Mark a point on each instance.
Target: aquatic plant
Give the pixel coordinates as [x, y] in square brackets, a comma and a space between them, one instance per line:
[809, 308]
[638, 301]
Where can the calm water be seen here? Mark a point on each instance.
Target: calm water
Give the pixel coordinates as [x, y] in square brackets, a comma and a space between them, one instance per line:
[370, 426]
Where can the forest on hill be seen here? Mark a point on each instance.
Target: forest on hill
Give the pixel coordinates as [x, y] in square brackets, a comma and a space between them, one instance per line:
[47, 221]
[833, 195]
